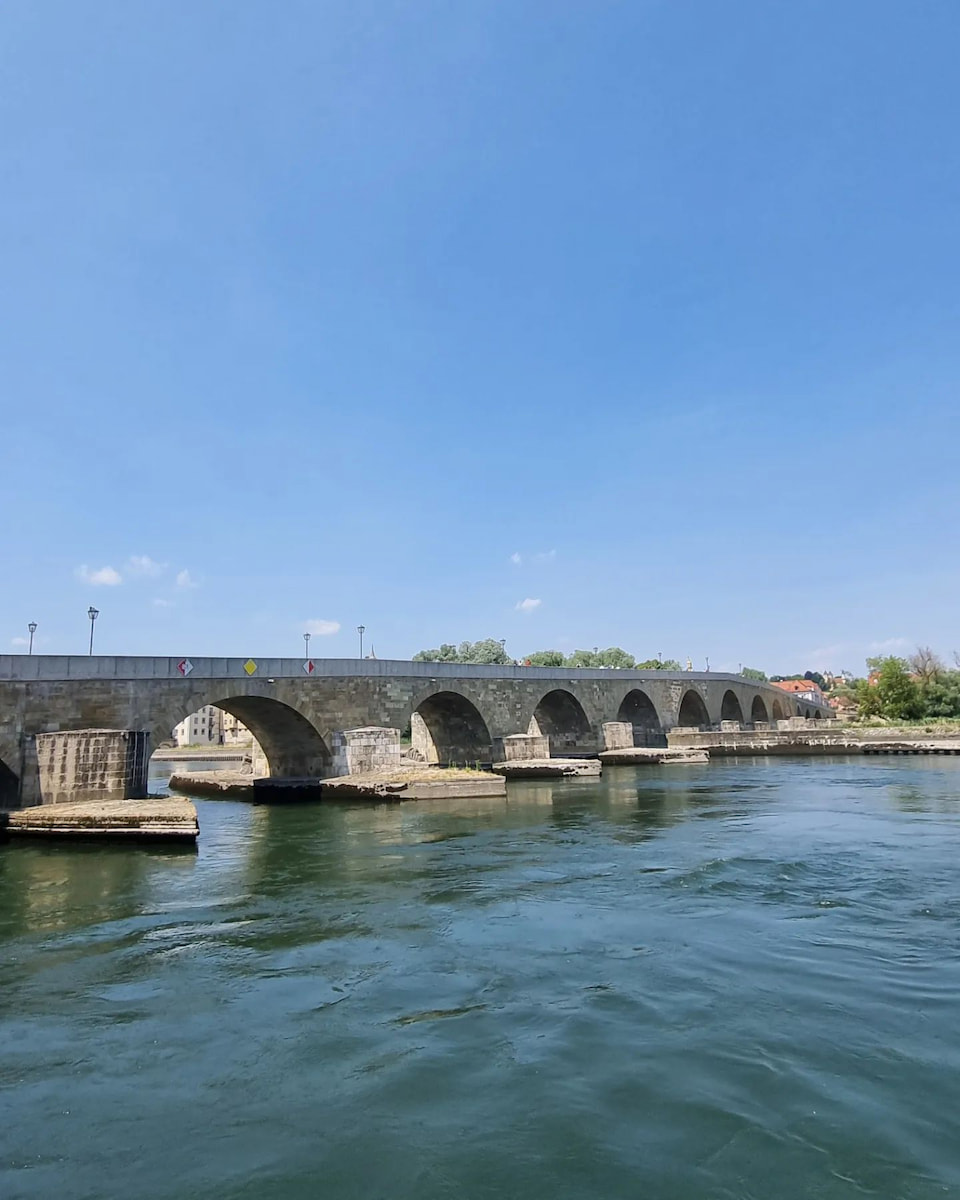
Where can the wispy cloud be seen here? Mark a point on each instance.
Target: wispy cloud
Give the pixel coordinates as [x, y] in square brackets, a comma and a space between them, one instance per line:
[516, 558]
[143, 564]
[100, 577]
[544, 556]
[184, 580]
[19, 641]
[321, 628]
[529, 605]
[889, 644]
[159, 602]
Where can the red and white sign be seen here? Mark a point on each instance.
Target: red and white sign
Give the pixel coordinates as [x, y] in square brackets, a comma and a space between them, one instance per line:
[308, 666]
[184, 666]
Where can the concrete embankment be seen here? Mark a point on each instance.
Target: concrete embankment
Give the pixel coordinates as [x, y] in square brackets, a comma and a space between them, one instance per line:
[547, 768]
[652, 756]
[398, 783]
[156, 819]
[807, 742]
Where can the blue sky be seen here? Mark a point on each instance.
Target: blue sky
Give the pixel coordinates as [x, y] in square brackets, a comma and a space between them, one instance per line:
[330, 312]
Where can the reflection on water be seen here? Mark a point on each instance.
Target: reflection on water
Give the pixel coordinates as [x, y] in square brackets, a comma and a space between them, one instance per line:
[734, 980]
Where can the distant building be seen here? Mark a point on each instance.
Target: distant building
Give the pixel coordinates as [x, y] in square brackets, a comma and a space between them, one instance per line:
[803, 689]
[211, 726]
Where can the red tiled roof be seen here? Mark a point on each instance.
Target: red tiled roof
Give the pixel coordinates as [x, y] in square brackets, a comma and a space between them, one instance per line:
[798, 685]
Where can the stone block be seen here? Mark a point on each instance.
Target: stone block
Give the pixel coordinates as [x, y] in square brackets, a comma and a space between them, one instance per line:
[373, 748]
[729, 726]
[521, 747]
[92, 764]
[617, 735]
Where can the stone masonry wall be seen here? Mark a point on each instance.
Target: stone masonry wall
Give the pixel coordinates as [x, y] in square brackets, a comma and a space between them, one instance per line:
[93, 764]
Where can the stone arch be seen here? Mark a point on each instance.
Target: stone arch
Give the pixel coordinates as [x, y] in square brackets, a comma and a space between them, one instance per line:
[730, 709]
[758, 711]
[693, 711]
[637, 708]
[447, 729]
[817, 714]
[559, 716]
[778, 712]
[291, 744]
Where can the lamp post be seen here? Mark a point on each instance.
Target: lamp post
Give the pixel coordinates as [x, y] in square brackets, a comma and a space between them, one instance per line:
[360, 629]
[306, 643]
[92, 613]
[33, 629]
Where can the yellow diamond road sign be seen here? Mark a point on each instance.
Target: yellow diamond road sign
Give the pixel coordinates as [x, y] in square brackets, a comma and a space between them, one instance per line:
[250, 666]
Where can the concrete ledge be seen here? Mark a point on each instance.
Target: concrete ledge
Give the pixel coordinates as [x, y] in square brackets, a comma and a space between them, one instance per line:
[212, 783]
[424, 783]
[652, 756]
[547, 768]
[152, 820]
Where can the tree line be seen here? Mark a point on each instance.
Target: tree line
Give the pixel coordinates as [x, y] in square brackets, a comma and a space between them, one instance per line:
[920, 687]
[489, 650]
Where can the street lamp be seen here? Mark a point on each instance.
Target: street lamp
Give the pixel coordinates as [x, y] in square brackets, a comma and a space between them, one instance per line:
[306, 643]
[33, 629]
[92, 613]
[360, 629]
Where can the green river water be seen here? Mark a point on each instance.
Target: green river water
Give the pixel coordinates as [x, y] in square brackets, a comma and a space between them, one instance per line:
[740, 980]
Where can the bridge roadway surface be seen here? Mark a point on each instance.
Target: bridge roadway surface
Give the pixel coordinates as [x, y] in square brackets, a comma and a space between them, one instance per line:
[454, 711]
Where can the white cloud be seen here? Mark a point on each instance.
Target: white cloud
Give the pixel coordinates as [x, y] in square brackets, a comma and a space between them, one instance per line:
[321, 628]
[545, 556]
[159, 602]
[528, 605]
[516, 558]
[184, 580]
[143, 564]
[894, 643]
[19, 641]
[101, 577]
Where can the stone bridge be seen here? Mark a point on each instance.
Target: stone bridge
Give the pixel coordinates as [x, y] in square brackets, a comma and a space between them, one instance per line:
[295, 709]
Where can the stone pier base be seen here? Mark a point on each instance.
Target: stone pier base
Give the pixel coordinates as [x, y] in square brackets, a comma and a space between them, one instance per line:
[92, 765]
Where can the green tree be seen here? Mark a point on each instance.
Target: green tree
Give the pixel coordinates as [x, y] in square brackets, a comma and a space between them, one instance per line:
[545, 658]
[753, 673]
[489, 650]
[893, 694]
[583, 658]
[815, 677]
[658, 664]
[616, 658]
[445, 653]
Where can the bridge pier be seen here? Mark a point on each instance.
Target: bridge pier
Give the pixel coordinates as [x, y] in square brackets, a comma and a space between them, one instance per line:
[92, 764]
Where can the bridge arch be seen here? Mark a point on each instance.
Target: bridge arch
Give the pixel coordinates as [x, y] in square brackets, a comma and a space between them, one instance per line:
[778, 712]
[730, 709]
[291, 744]
[9, 787]
[560, 716]
[448, 729]
[693, 711]
[638, 709]
[758, 711]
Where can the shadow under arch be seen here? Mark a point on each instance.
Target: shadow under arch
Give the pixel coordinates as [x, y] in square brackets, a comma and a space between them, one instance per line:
[559, 716]
[730, 709]
[292, 746]
[778, 713]
[693, 711]
[446, 728]
[758, 711]
[9, 787]
[638, 709]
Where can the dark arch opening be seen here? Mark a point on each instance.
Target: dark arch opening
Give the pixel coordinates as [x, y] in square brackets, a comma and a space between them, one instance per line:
[730, 709]
[637, 708]
[758, 711]
[291, 746]
[560, 717]
[9, 787]
[693, 711]
[778, 713]
[817, 715]
[447, 729]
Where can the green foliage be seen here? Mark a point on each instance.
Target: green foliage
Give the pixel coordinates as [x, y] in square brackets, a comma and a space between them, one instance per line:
[658, 664]
[815, 677]
[893, 694]
[753, 673]
[545, 658]
[612, 657]
[486, 651]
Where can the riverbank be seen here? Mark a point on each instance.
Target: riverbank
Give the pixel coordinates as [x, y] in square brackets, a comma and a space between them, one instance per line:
[807, 741]
[153, 819]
